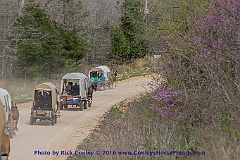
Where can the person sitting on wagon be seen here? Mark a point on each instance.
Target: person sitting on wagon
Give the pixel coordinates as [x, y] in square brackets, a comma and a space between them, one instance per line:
[92, 81]
[39, 100]
[69, 88]
[96, 79]
[102, 78]
[76, 89]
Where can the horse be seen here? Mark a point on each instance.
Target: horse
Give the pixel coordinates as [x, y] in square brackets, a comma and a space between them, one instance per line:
[113, 79]
[15, 117]
[5, 147]
[90, 95]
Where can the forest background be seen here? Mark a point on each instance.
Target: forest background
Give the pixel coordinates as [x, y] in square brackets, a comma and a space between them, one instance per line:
[196, 91]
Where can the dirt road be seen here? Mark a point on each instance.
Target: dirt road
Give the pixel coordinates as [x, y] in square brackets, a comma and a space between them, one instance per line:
[38, 141]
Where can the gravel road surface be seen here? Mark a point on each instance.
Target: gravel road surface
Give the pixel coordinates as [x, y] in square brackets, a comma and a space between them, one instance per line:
[35, 142]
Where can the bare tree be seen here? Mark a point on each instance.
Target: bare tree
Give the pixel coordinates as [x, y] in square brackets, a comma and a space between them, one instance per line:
[8, 12]
[92, 16]
[102, 14]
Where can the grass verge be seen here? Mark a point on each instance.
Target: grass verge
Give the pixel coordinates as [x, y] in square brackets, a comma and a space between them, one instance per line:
[130, 131]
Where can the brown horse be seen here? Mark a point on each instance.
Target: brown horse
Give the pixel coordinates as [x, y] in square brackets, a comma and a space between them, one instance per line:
[113, 79]
[15, 117]
[5, 147]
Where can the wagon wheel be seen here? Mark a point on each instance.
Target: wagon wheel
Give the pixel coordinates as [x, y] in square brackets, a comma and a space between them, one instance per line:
[61, 105]
[85, 104]
[53, 120]
[81, 106]
[55, 116]
[104, 86]
[31, 120]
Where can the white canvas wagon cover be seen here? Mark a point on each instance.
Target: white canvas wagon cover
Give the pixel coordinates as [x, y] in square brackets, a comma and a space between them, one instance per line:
[74, 76]
[2, 121]
[80, 78]
[47, 86]
[104, 68]
[5, 98]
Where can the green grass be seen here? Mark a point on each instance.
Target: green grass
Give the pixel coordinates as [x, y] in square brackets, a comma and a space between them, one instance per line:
[22, 98]
[132, 72]
[115, 112]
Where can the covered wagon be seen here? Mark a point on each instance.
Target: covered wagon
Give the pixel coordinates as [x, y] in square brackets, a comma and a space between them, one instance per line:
[103, 74]
[6, 101]
[45, 105]
[74, 91]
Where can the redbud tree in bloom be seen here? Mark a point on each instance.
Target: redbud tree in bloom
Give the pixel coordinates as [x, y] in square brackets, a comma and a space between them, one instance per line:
[201, 69]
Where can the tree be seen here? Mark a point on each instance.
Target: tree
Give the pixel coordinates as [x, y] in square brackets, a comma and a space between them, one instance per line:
[48, 45]
[172, 18]
[204, 66]
[119, 46]
[8, 12]
[130, 33]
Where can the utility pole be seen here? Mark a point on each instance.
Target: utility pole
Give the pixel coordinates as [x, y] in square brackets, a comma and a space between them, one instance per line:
[146, 10]
[21, 4]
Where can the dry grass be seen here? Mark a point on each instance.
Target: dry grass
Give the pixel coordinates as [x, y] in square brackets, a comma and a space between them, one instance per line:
[129, 126]
[21, 89]
[220, 145]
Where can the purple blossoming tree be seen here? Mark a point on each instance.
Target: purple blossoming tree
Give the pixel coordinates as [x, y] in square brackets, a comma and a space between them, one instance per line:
[202, 67]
